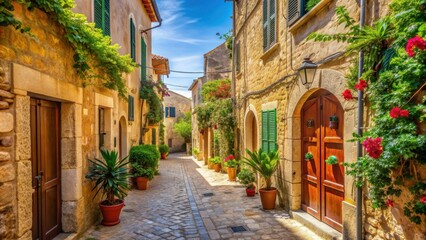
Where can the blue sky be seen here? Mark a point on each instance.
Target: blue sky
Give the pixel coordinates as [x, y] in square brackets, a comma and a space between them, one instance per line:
[188, 31]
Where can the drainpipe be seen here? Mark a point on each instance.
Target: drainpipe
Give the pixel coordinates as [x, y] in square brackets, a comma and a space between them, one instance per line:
[359, 227]
[157, 13]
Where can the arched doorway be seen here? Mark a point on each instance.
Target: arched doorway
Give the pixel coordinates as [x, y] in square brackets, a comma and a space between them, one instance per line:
[250, 129]
[322, 135]
[122, 138]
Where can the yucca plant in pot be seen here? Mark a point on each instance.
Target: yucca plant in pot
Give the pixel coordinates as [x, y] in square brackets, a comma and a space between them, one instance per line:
[110, 177]
[266, 164]
[247, 178]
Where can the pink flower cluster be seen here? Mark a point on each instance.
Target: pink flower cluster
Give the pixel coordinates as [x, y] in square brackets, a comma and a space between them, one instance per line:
[397, 112]
[389, 202]
[423, 199]
[230, 157]
[413, 43]
[361, 85]
[373, 146]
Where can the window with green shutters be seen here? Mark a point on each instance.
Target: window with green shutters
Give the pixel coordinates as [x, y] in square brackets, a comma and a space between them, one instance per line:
[298, 8]
[131, 108]
[132, 40]
[269, 23]
[143, 59]
[102, 16]
[269, 130]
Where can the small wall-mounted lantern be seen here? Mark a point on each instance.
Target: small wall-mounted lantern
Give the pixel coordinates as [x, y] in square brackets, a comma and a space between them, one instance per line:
[307, 72]
[334, 122]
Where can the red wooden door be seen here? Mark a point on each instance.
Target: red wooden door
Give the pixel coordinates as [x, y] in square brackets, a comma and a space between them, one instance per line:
[45, 154]
[322, 183]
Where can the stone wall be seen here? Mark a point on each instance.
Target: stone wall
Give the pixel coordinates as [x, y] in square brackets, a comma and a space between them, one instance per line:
[182, 105]
[260, 69]
[217, 64]
[42, 67]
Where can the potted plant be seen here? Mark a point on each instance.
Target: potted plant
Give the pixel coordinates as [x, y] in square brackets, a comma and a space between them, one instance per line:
[247, 178]
[110, 176]
[164, 151]
[266, 165]
[216, 163]
[143, 157]
[195, 151]
[232, 165]
[309, 156]
[142, 175]
[210, 163]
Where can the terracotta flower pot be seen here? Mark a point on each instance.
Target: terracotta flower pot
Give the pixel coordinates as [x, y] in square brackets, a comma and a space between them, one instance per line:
[163, 156]
[210, 165]
[232, 174]
[268, 198]
[251, 191]
[216, 167]
[111, 214]
[142, 183]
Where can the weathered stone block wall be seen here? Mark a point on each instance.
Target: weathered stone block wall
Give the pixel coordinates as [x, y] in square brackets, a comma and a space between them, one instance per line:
[260, 69]
[217, 63]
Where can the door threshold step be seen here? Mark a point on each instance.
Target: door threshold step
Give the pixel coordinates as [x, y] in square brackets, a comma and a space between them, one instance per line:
[316, 226]
[66, 236]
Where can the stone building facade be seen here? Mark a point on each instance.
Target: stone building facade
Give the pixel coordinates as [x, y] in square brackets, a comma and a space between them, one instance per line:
[217, 65]
[175, 106]
[46, 113]
[268, 50]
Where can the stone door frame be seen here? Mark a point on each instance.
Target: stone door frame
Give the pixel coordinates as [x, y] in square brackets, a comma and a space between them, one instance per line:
[29, 82]
[334, 82]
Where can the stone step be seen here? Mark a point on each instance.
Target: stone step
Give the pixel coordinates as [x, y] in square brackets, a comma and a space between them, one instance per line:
[318, 227]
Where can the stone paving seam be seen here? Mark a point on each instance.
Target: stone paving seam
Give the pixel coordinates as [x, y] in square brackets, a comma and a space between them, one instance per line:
[195, 212]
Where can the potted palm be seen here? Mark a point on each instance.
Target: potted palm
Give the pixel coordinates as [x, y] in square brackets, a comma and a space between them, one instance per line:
[231, 165]
[164, 151]
[216, 163]
[246, 177]
[110, 176]
[266, 165]
[142, 175]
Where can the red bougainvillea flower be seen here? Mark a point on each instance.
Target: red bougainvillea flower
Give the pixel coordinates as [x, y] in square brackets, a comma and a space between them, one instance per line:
[397, 112]
[230, 157]
[361, 85]
[423, 199]
[404, 113]
[373, 146]
[347, 95]
[415, 42]
[394, 112]
[390, 203]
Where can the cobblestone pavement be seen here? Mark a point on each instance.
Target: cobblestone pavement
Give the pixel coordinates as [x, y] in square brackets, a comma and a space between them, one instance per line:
[177, 205]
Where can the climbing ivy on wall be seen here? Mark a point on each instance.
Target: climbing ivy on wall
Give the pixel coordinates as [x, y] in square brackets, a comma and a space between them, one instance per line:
[394, 75]
[94, 55]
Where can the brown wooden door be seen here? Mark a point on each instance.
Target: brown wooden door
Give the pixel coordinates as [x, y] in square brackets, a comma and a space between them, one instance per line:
[322, 183]
[45, 152]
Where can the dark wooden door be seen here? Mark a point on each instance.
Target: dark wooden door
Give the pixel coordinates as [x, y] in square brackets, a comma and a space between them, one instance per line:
[322, 183]
[45, 153]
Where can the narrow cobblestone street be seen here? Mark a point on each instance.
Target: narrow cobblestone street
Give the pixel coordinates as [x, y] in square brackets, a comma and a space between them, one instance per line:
[177, 205]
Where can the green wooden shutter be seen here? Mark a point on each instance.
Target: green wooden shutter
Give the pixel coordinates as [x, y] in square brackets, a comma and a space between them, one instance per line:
[143, 59]
[132, 41]
[154, 136]
[265, 145]
[106, 28]
[172, 112]
[98, 13]
[272, 130]
[265, 24]
[272, 21]
[131, 108]
[294, 11]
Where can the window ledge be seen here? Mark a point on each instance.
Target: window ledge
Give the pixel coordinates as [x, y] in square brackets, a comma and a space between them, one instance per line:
[268, 52]
[308, 15]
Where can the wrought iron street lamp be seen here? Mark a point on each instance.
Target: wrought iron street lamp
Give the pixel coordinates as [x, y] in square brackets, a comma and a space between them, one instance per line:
[307, 72]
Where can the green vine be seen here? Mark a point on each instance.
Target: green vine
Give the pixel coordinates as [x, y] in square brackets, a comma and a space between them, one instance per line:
[148, 93]
[394, 72]
[94, 55]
